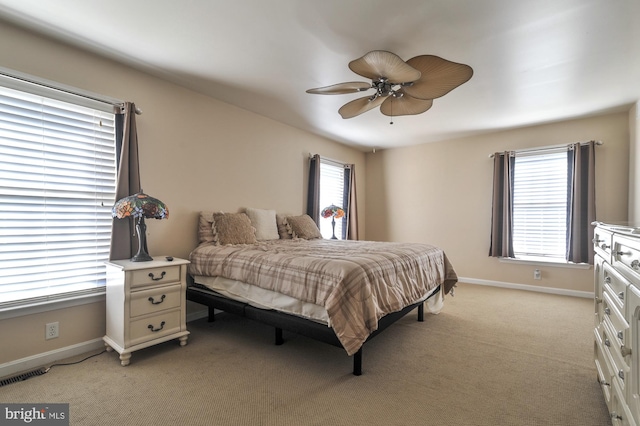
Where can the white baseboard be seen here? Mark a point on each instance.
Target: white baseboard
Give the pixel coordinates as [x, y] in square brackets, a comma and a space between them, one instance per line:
[12, 368]
[560, 291]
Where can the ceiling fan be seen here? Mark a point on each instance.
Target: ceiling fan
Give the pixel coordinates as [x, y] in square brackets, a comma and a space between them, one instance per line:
[401, 88]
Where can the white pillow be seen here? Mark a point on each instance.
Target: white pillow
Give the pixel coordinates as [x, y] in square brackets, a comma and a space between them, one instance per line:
[265, 223]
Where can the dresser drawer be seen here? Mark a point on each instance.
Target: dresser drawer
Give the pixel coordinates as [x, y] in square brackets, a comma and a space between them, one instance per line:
[615, 285]
[614, 319]
[155, 276]
[602, 242]
[626, 257]
[154, 326]
[605, 372]
[155, 299]
[611, 349]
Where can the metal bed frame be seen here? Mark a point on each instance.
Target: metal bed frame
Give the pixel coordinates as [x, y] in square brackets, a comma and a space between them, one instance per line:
[283, 321]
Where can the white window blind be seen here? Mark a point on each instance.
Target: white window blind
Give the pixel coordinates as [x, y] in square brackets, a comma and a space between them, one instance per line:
[331, 192]
[57, 187]
[540, 205]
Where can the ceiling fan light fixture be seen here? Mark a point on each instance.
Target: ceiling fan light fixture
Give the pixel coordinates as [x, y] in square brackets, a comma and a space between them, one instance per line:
[401, 88]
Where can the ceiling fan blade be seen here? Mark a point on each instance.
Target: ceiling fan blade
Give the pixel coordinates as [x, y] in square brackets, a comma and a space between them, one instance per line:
[439, 76]
[405, 105]
[382, 64]
[360, 105]
[341, 88]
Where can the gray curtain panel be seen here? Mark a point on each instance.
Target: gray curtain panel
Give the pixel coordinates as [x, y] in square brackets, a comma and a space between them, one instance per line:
[123, 245]
[350, 221]
[582, 203]
[502, 206]
[313, 194]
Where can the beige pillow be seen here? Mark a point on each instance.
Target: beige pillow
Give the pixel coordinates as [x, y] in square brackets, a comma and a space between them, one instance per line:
[303, 227]
[233, 228]
[205, 228]
[265, 223]
[283, 231]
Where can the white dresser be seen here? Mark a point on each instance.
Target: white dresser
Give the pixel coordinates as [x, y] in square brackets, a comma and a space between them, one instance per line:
[146, 304]
[617, 319]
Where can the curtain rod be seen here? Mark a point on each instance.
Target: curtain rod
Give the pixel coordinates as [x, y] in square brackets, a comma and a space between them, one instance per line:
[544, 148]
[26, 78]
[330, 160]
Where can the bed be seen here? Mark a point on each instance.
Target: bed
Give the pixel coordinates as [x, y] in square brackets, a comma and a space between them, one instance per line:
[339, 292]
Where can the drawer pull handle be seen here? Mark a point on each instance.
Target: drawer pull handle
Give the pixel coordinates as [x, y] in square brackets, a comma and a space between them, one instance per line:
[604, 247]
[623, 253]
[159, 278]
[607, 343]
[624, 351]
[598, 300]
[607, 280]
[150, 327]
[635, 264]
[153, 302]
[621, 295]
[596, 241]
[621, 374]
[607, 311]
[620, 335]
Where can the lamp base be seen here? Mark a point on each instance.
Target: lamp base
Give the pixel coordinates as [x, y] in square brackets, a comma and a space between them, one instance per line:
[142, 255]
[333, 227]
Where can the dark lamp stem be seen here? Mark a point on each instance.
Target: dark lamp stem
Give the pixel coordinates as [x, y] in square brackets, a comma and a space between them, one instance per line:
[333, 226]
[141, 230]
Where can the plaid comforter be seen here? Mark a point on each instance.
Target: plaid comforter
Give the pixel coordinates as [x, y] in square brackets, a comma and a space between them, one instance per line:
[357, 282]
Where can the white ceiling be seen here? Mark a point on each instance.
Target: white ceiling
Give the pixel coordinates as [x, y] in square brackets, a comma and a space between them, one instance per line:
[534, 61]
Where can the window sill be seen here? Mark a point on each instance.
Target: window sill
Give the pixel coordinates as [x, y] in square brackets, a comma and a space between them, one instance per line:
[52, 305]
[544, 262]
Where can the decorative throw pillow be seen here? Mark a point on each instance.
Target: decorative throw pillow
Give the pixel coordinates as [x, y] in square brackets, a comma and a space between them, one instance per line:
[303, 227]
[233, 228]
[283, 231]
[265, 223]
[205, 228]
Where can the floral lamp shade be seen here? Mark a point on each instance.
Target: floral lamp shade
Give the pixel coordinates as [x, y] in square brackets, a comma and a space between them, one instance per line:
[334, 212]
[140, 206]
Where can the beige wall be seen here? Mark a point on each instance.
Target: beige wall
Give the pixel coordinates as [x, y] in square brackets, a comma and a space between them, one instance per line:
[634, 163]
[196, 153]
[440, 193]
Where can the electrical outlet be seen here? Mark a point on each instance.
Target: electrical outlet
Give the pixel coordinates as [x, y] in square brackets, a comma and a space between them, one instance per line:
[537, 274]
[51, 330]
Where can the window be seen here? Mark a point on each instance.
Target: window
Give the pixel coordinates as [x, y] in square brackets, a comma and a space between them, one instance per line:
[57, 187]
[540, 194]
[331, 192]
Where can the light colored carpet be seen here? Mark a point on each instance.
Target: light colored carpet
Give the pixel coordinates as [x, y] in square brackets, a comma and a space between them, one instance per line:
[492, 357]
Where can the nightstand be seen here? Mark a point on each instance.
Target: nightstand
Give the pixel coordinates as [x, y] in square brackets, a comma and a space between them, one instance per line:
[146, 304]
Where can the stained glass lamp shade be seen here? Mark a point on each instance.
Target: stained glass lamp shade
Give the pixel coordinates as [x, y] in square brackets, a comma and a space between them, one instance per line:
[140, 206]
[332, 212]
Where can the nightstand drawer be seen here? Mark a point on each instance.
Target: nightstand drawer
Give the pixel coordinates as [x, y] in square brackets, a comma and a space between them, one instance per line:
[155, 299]
[153, 327]
[155, 276]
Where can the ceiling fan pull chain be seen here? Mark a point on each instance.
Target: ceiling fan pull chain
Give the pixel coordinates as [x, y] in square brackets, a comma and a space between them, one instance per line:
[391, 106]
